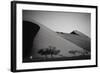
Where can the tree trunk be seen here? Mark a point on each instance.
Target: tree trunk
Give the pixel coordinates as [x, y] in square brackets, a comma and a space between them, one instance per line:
[46, 57]
[51, 56]
[61, 55]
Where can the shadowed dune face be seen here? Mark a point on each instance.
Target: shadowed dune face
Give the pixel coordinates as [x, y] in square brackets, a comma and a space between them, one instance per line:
[29, 32]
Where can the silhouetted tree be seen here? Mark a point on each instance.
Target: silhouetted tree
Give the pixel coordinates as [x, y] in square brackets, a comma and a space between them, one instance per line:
[42, 52]
[56, 52]
[49, 51]
[83, 53]
[72, 52]
[53, 51]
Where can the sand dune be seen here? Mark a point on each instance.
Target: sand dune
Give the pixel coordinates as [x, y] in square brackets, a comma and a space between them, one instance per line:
[77, 38]
[46, 37]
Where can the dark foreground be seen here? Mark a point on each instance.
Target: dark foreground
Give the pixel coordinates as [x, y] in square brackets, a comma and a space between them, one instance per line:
[57, 59]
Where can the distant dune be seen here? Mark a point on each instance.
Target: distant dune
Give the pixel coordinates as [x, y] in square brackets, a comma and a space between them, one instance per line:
[77, 38]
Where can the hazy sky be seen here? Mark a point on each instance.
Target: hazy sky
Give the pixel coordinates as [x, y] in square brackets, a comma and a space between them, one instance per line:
[61, 21]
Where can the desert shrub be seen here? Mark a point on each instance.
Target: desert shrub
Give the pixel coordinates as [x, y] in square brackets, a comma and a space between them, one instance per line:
[51, 50]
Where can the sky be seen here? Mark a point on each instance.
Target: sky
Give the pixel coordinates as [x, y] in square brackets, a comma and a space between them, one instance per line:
[61, 21]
